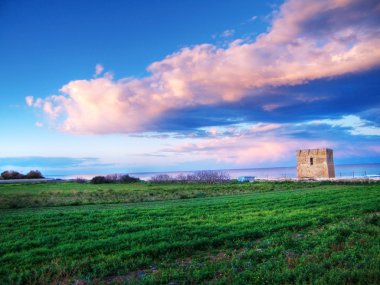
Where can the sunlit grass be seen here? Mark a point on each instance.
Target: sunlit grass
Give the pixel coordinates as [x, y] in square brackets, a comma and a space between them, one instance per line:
[327, 235]
[69, 193]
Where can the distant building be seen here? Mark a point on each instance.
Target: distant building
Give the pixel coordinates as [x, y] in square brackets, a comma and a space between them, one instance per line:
[315, 163]
[246, 178]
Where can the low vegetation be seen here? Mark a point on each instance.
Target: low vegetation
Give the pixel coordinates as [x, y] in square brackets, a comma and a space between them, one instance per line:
[205, 176]
[27, 195]
[10, 174]
[322, 234]
[114, 178]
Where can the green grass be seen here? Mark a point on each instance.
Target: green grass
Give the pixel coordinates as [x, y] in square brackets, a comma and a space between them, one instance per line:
[73, 194]
[320, 234]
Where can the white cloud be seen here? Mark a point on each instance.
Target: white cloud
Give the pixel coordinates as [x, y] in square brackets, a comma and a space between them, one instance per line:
[354, 124]
[33, 103]
[228, 33]
[29, 100]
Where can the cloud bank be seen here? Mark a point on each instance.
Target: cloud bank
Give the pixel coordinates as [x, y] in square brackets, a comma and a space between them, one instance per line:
[307, 41]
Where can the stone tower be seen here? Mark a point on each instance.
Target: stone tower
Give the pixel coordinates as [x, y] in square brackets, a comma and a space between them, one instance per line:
[315, 163]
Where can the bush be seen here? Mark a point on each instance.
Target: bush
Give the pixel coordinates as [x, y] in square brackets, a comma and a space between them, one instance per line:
[128, 179]
[204, 176]
[34, 174]
[7, 175]
[211, 176]
[11, 174]
[162, 178]
[114, 178]
[100, 180]
[80, 180]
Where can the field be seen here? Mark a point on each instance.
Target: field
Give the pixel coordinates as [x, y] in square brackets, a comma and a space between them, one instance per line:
[254, 233]
[36, 195]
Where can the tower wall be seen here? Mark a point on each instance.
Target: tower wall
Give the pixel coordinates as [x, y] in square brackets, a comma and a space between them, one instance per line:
[315, 163]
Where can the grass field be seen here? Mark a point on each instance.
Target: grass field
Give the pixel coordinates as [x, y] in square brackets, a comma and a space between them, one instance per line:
[24, 195]
[265, 233]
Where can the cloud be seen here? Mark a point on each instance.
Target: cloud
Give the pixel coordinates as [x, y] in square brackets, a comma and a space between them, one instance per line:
[228, 33]
[98, 70]
[271, 107]
[246, 150]
[34, 161]
[375, 148]
[33, 103]
[269, 144]
[307, 41]
[29, 100]
[354, 125]
[265, 127]
[57, 165]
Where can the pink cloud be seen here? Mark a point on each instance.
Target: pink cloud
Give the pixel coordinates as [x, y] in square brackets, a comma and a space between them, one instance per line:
[98, 70]
[33, 103]
[307, 41]
[29, 100]
[271, 107]
[245, 150]
[374, 148]
[265, 127]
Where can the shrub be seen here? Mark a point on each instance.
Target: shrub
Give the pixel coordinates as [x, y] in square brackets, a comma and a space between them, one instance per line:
[114, 178]
[34, 174]
[100, 180]
[11, 174]
[211, 176]
[7, 175]
[128, 179]
[80, 180]
[204, 176]
[162, 178]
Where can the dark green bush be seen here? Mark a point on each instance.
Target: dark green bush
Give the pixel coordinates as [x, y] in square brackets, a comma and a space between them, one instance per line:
[128, 179]
[100, 180]
[114, 178]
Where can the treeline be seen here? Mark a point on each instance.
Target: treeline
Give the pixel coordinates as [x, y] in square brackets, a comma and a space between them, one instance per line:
[10, 174]
[205, 176]
[114, 178]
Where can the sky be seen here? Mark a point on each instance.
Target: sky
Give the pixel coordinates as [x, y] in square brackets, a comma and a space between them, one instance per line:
[133, 86]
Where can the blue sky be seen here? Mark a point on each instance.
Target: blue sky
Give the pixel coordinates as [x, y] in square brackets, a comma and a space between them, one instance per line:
[130, 86]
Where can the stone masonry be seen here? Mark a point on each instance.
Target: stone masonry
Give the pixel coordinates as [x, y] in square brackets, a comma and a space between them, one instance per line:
[315, 163]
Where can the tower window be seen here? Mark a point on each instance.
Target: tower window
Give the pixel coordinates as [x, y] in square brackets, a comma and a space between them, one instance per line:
[311, 161]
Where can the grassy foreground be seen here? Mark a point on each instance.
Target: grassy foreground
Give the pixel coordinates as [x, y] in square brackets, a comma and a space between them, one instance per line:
[322, 235]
